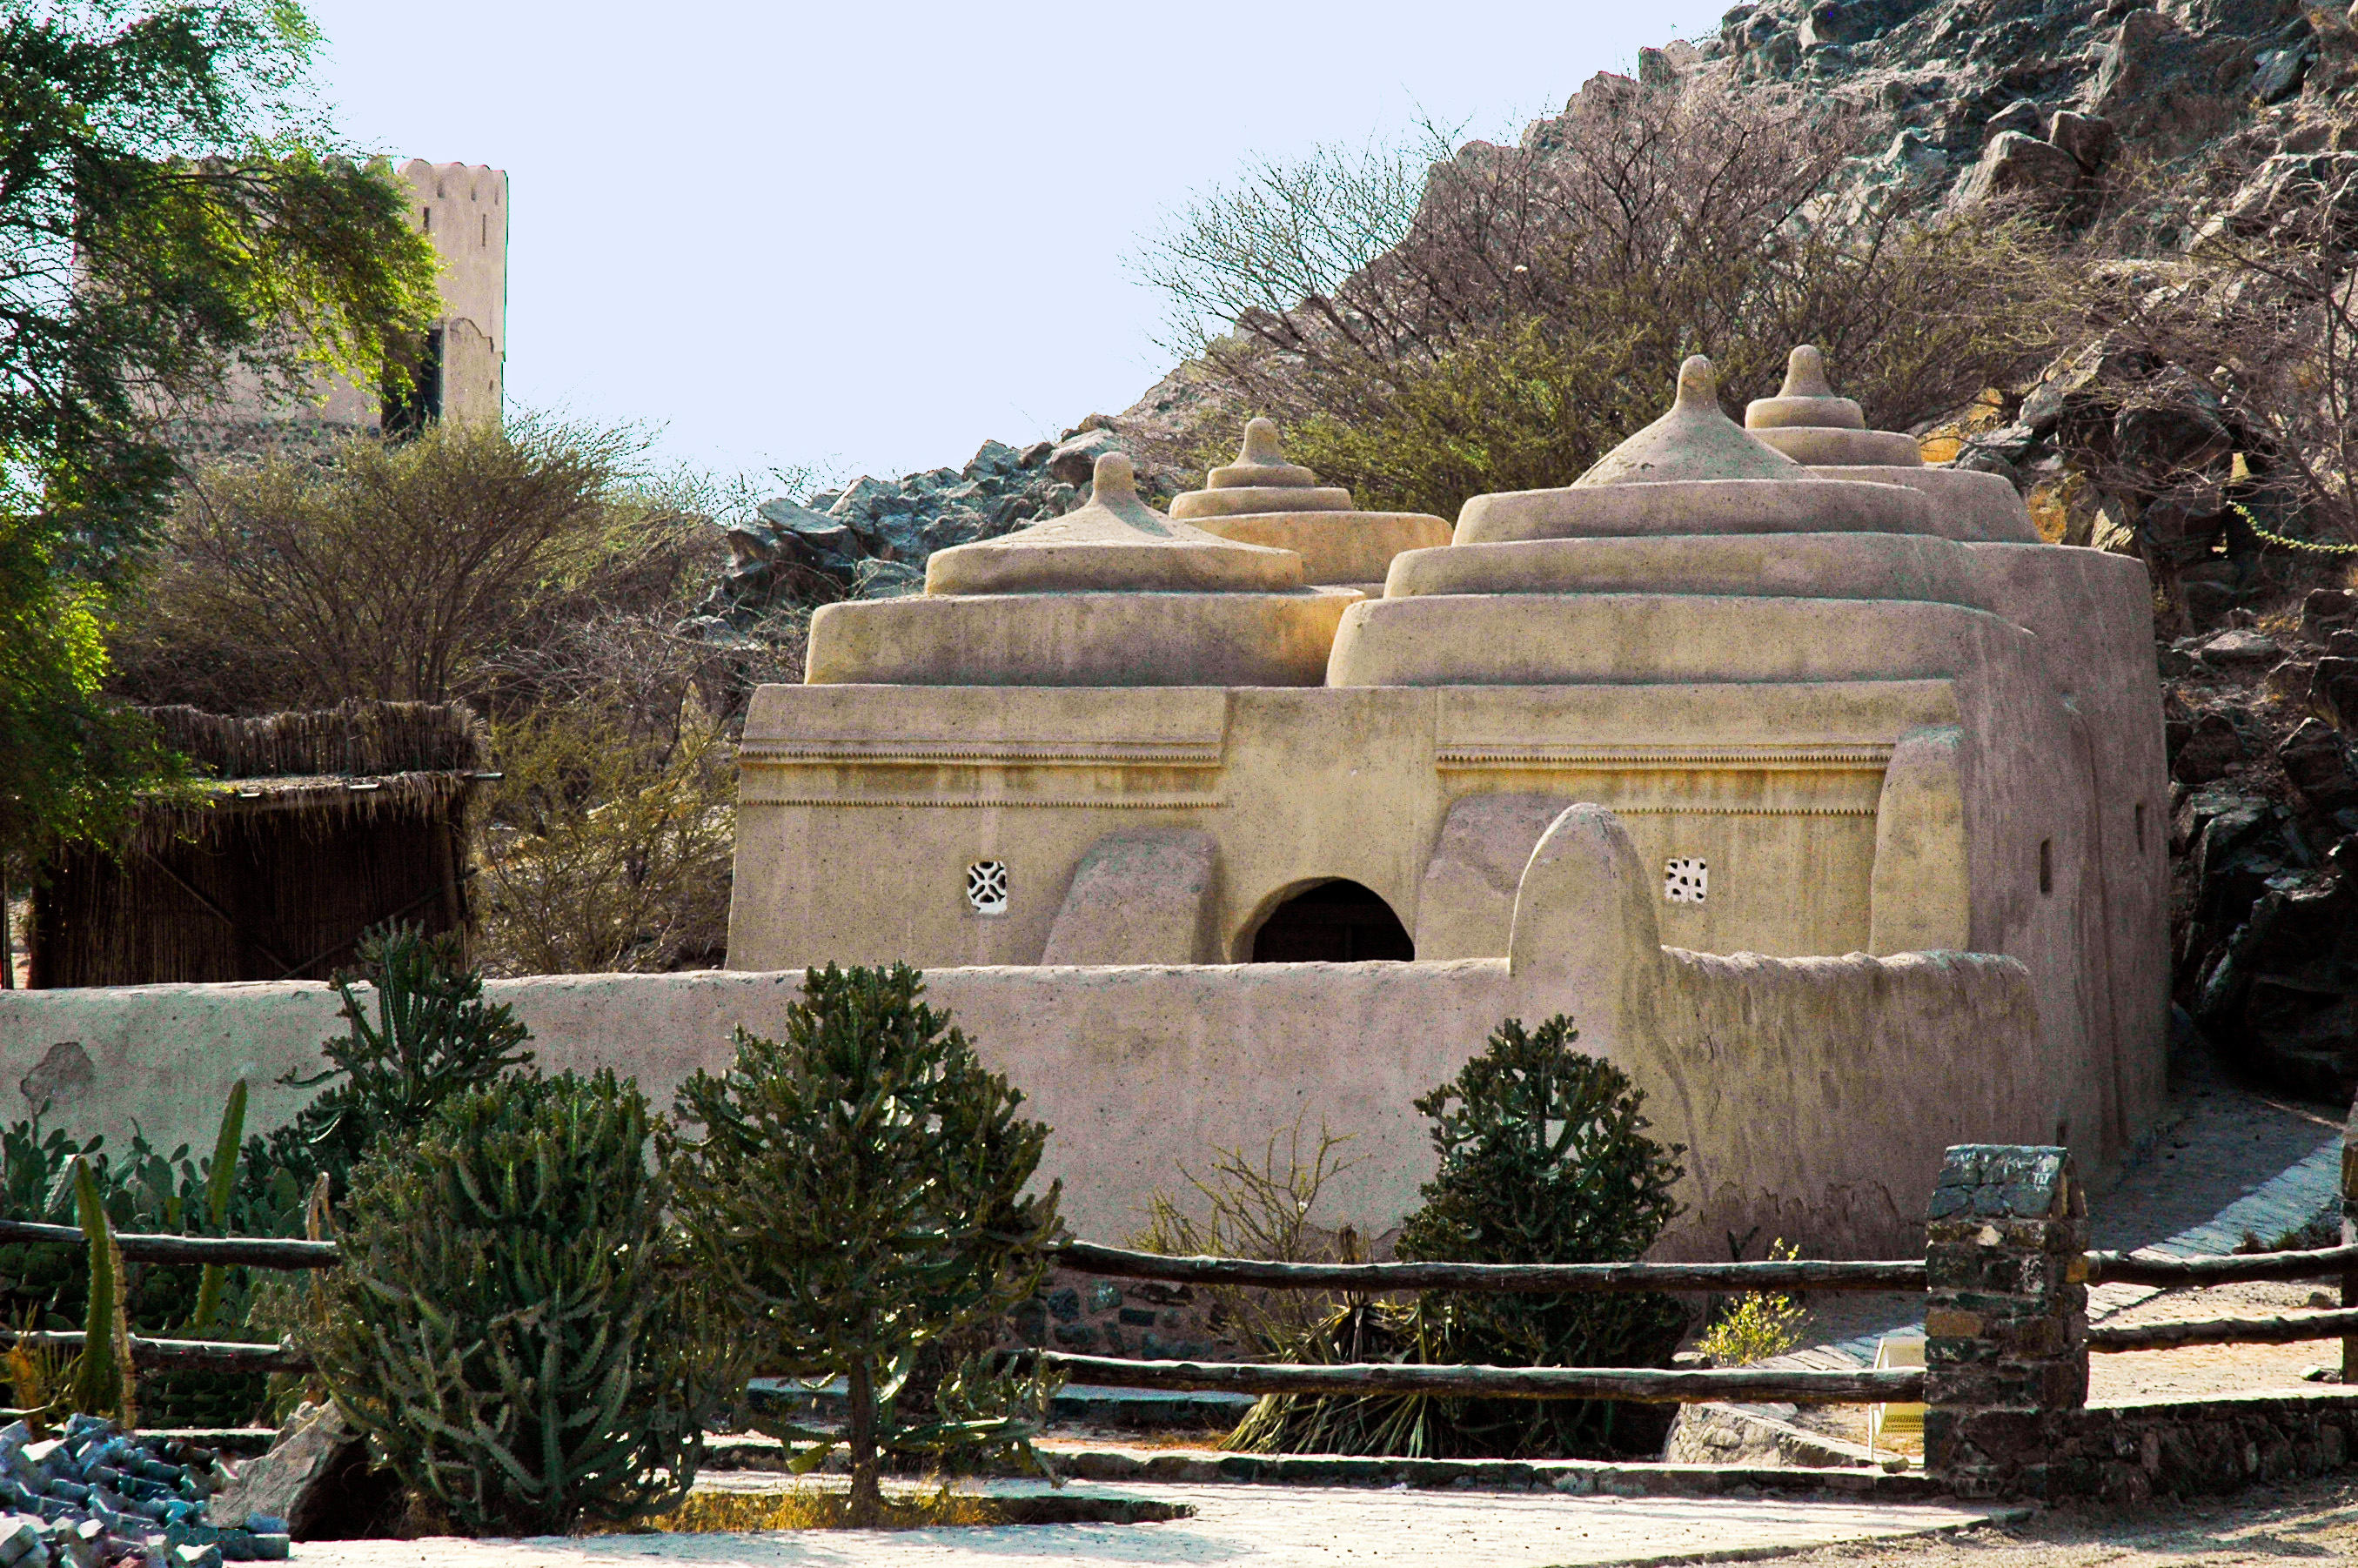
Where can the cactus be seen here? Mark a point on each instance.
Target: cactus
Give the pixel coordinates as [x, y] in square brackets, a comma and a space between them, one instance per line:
[509, 1330]
[221, 1182]
[102, 1378]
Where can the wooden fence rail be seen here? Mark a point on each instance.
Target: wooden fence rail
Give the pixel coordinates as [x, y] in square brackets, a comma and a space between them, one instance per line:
[1537, 1278]
[1545, 1279]
[1641, 1384]
[179, 1355]
[228, 1250]
[2272, 1329]
[2231, 1269]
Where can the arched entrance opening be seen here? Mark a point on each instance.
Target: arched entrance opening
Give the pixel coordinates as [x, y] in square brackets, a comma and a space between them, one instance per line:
[1332, 922]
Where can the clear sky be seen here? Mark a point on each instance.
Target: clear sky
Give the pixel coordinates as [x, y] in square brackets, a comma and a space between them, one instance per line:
[865, 236]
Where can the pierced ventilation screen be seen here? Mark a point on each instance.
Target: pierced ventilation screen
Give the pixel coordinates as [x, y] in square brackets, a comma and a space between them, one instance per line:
[986, 887]
[1685, 880]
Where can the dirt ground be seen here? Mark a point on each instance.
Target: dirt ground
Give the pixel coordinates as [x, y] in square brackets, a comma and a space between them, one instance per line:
[2314, 1522]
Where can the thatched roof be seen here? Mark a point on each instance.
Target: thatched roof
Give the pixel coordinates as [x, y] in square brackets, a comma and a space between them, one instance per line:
[336, 767]
[356, 740]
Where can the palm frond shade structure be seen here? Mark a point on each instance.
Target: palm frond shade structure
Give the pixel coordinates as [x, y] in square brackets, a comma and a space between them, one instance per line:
[311, 827]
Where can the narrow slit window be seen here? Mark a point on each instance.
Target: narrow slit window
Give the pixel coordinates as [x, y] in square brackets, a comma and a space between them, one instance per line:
[426, 219]
[2140, 827]
[2047, 865]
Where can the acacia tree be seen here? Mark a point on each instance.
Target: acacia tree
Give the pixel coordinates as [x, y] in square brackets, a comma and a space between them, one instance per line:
[169, 210]
[1499, 325]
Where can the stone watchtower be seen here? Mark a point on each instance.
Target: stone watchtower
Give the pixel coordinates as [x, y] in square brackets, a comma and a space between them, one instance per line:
[458, 368]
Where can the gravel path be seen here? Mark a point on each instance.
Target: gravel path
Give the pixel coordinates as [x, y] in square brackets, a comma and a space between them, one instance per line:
[1269, 1527]
[2316, 1522]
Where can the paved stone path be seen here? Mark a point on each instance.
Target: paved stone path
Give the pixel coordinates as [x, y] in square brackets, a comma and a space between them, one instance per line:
[1269, 1527]
[2227, 1163]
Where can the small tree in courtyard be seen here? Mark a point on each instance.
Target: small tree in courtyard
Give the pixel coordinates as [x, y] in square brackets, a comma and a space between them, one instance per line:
[1543, 1158]
[858, 1189]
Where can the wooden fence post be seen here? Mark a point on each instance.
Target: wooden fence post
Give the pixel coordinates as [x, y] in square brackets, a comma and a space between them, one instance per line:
[2005, 1318]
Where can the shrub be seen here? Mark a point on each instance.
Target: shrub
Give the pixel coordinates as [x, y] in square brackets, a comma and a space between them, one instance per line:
[857, 1190]
[1757, 1325]
[46, 1284]
[608, 850]
[508, 1328]
[1543, 1158]
[1259, 1209]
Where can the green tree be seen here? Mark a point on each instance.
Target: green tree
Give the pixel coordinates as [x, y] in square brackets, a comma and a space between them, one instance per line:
[169, 211]
[1543, 1158]
[858, 1189]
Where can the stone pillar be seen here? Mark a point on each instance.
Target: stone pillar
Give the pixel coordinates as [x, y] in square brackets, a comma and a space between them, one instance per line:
[2350, 1233]
[2006, 1319]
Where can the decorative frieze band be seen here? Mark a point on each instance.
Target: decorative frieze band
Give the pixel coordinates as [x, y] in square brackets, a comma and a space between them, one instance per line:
[1605, 758]
[1702, 810]
[1109, 801]
[1083, 754]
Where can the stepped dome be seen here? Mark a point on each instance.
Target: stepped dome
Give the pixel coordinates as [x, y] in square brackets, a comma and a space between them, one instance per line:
[1809, 424]
[1112, 593]
[1262, 499]
[1694, 470]
[1115, 541]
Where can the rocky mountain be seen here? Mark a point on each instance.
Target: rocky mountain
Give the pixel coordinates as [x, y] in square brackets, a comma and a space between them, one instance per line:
[1980, 97]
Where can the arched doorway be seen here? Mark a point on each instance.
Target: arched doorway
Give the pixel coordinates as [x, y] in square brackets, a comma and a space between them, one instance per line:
[1332, 922]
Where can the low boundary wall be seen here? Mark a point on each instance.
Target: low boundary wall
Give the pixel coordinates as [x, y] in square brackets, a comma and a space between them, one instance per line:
[1815, 1096]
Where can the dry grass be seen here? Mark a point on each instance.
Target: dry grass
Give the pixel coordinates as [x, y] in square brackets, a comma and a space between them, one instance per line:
[820, 1508]
[816, 1505]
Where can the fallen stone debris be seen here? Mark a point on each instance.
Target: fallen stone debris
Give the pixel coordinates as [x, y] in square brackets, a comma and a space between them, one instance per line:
[97, 1496]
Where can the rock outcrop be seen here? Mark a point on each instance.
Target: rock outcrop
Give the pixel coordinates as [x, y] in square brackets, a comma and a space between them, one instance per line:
[873, 539]
[2264, 836]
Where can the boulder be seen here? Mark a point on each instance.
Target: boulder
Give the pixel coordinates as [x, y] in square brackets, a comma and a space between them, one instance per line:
[864, 497]
[2334, 692]
[2277, 73]
[2015, 165]
[2317, 760]
[317, 1477]
[2213, 745]
[2325, 611]
[2127, 66]
[2087, 137]
[2239, 652]
[1074, 460]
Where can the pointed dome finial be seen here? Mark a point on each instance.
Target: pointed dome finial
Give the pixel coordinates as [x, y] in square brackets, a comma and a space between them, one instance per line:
[1259, 480]
[1807, 399]
[1114, 475]
[1698, 383]
[1805, 373]
[1260, 449]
